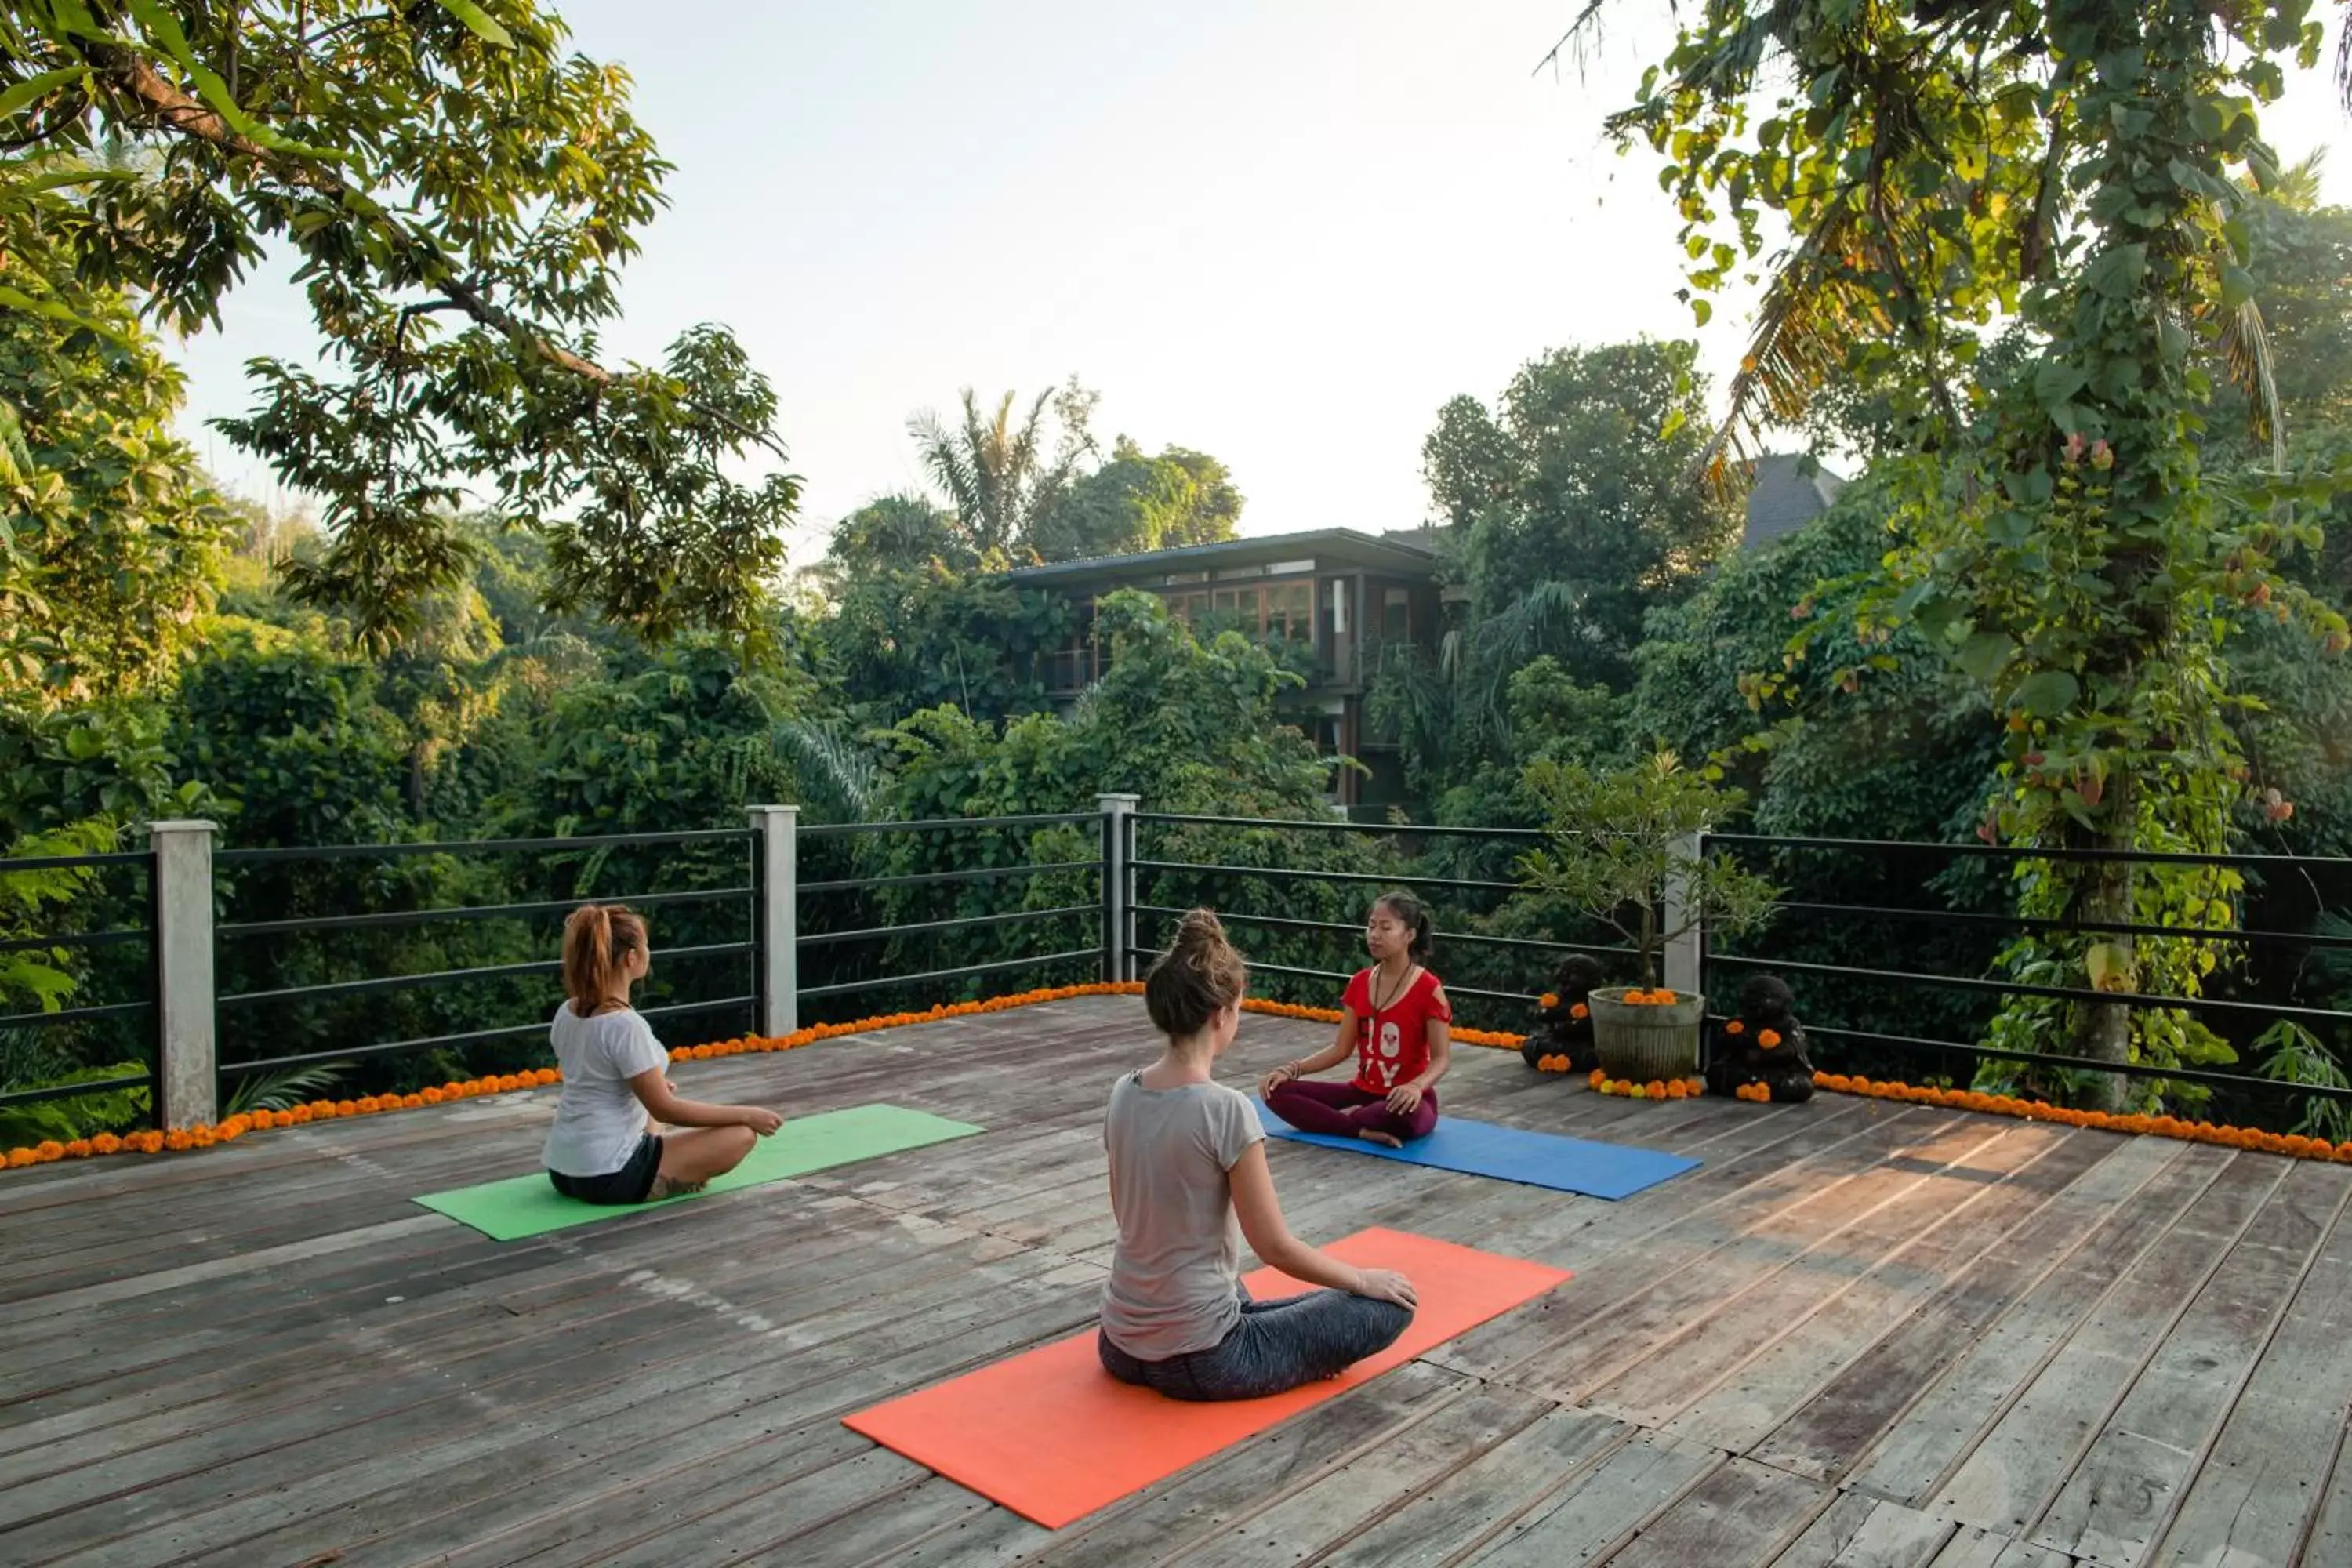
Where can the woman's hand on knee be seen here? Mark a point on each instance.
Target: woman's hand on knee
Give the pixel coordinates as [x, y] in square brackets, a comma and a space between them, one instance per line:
[759, 1119]
[1388, 1285]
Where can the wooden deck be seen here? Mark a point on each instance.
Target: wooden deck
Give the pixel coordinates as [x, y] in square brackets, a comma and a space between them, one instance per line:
[1859, 1334]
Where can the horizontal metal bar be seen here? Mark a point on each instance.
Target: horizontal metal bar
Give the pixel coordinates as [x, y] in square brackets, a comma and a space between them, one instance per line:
[1020, 917]
[1034, 819]
[1389, 829]
[74, 1014]
[73, 938]
[74, 1090]
[2020, 852]
[997, 968]
[473, 913]
[2031, 924]
[480, 846]
[2127, 1069]
[473, 1037]
[1459, 884]
[1343, 979]
[982, 874]
[2022, 988]
[75, 862]
[454, 976]
[1443, 937]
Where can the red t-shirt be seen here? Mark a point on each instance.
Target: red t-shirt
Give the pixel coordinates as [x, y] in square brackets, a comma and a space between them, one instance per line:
[1392, 1045]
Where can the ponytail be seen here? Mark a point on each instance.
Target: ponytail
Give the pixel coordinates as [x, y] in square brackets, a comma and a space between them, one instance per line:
[597, 940]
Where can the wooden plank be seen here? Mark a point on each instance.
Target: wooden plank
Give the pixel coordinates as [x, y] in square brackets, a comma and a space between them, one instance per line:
[1638, 1246]
[1862, 1532]
[720, 1398]
[1937, 1430]
[1307, 1521]
[2123, 1493]
[2258, 1489]
[1631, 1305]
[1974, 1547]
[1749, 1320]
[1741, 1512]
[1823, 1335]
[1601, 1506]
[2015, 1468]
[878, 1533]
[1465, 1509]
[1838, 1423]
[2331, 1529]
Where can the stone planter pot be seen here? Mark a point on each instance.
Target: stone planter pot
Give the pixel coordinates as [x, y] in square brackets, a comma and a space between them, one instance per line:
[1646, 1042]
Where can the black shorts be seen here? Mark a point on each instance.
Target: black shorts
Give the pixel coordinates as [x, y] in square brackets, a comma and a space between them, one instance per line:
[629, 1184]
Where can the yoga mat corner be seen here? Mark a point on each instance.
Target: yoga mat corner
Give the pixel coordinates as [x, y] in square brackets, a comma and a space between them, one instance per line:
[1052, 1436]
[520, 1207]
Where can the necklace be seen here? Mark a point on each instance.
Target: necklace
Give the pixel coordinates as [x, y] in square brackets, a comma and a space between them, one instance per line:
[1411, 970]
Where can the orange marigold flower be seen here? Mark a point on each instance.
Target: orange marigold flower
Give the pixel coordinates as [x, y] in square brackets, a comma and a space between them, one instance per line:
[1678, 1090]
[1768, 1038]
[1733, 1026]
[411, 1101]
[1548, 1000]
[49, 1149]
[106, 1144]
[19, 1158]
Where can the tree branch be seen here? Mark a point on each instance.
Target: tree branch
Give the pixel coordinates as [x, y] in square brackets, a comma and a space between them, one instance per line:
[132, 73]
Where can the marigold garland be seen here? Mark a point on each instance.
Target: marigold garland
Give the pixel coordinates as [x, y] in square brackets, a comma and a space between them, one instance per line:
[2294, 1145]
[230, 1128]
[1656, 1088]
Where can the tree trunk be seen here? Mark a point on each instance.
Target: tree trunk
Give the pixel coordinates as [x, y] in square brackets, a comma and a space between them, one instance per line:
[2104, 894]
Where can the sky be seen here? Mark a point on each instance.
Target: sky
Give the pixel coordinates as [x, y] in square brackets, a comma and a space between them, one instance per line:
[1281, 233]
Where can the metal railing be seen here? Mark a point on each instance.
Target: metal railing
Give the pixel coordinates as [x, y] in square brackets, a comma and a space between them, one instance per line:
[902, 907]
[143, 978]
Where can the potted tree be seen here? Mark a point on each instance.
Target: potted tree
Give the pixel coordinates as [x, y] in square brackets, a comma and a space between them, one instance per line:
[1621, 850]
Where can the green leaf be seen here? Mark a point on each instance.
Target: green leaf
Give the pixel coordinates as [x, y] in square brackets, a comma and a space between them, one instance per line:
[164, 28]
[2055, 383]
[17, 300]
[480, 22]
[2048, 694]
[14, 100]
[1985, 654]
[2116, 274]
[2237, 286]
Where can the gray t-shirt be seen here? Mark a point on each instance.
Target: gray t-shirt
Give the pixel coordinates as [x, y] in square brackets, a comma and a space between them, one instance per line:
[1176, 1273]
[599, 1121]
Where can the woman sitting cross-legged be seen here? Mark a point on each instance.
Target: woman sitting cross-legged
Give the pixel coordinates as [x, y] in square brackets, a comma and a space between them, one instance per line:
[1187, 1158]
[601, 1149]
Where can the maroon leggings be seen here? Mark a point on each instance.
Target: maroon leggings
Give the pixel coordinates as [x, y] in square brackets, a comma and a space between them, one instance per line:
[1343, 1111]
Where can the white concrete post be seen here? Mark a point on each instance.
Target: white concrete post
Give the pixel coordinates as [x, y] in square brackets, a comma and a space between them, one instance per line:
[1117, 883]
[187, 1078]
[1682, 952]
[778, 955]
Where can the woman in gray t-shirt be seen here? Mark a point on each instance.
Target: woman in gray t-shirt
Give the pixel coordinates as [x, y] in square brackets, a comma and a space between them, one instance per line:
[1187, 1160]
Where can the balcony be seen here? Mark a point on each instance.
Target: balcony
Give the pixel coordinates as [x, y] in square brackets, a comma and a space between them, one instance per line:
[1860, 1331]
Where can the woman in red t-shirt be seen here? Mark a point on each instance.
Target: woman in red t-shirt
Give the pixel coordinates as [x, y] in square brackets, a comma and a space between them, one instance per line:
[1395, 1021]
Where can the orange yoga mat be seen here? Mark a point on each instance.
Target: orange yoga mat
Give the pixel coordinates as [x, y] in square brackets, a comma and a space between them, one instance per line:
[1052, 1436]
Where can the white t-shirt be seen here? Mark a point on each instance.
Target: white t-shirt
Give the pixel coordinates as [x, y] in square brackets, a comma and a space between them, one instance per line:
[599, 1122]
[1176, 1272]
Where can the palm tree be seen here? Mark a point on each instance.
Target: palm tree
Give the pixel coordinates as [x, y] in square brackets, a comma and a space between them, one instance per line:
[997, 475]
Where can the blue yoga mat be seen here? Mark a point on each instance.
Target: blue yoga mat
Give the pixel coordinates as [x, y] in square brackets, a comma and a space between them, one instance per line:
[1512, 1155]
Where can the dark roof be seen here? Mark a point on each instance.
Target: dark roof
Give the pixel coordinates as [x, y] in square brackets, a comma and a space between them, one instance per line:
[1327, 547]
[1783, 497]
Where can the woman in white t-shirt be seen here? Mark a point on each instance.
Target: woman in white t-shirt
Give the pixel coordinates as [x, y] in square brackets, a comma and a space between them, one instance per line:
[601, 1149]
[1187, 1159]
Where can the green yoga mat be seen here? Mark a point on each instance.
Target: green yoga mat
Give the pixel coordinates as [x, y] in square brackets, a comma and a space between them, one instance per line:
[529, 1205]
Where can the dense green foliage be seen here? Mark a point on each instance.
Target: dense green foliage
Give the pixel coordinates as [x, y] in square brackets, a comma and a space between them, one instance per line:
[2045, 615]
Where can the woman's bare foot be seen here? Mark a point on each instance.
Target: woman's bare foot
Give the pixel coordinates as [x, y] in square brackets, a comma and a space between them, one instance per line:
[671, 1187]
[1385, 1140]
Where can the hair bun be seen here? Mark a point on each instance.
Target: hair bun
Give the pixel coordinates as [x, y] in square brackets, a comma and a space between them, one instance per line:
[1199, 928]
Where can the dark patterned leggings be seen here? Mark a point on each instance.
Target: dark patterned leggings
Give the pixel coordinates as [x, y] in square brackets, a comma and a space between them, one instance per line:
[1276, 1346]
